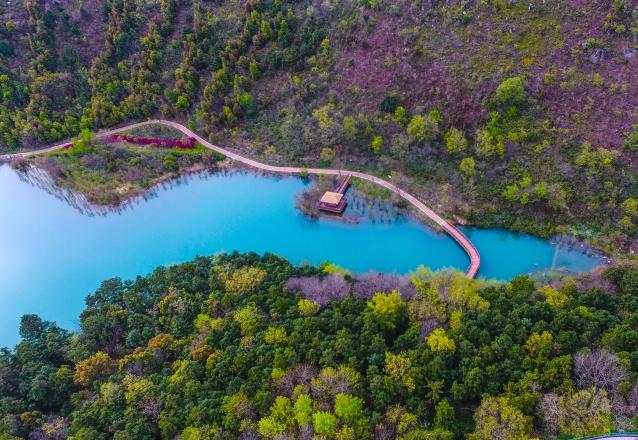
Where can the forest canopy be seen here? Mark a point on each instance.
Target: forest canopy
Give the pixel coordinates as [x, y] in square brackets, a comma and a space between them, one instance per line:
[244, 346]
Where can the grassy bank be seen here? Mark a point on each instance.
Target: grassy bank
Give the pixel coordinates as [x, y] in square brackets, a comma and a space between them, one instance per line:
[111, 173]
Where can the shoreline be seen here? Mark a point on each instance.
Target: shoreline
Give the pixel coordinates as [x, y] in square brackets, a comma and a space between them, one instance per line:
[79, 201]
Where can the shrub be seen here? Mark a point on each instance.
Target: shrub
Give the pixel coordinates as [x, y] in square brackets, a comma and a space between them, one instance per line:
[510, 92]
[390, 103]
[468, 166]
[423, 128]
[455, 141]
[377, 144]
[325, 423]
[631, 140]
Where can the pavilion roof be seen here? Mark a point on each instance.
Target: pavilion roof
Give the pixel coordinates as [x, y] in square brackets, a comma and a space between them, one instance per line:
[331, 198]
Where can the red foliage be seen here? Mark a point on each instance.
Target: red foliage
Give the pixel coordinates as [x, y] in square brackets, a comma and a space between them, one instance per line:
[157, 142]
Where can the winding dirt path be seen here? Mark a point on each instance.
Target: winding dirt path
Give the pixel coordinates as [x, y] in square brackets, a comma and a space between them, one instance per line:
[461, 239]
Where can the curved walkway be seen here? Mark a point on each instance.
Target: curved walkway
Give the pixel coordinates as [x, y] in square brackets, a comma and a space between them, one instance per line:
[456, 234]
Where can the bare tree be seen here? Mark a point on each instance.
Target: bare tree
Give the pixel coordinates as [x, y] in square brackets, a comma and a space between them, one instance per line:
[428, 326]
[599, 368]
[321, 290]
[632, 398]
[550, 408]
[54, 428]
[151, 408]
[368, 284]
[625, 408]
[248, 435]
[306, 432]
[298, 375]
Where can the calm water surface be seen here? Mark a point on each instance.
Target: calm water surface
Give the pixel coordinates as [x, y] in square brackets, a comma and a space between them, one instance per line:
[52, 255]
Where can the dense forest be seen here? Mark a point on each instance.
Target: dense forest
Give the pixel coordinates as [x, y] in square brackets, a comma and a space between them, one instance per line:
[248, 347]
[519, 114]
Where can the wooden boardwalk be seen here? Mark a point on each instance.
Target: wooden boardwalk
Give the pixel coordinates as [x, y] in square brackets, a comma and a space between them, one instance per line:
[344, 185]
[456, 234]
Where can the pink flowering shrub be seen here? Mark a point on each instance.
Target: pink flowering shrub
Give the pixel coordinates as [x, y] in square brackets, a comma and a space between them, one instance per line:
[157, 142]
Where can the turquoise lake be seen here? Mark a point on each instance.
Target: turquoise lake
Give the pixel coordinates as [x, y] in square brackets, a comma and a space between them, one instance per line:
[52, 255]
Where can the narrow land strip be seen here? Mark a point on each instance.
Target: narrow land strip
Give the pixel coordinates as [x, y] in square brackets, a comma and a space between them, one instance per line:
[461, 239]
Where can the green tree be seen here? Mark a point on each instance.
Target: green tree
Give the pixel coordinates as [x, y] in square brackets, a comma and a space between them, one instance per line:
[487, 147]
[275, 335]
[248, 318]
[307, 307]
[439, 341]
[327, 154]
[444, 415]
[423, 128]
[539, 345]
[387, 309]
[377, 144]
[303, 410]
[401, 115]
[284, 35]
[280, 419]
[349, 409]
[498, 418]
[253, 70]
[630, 207]
[32, 327]
[510, 92]
[245, 101]
[455, 141]
[325, 423]
[182, 103]
[270, 427]
[399, 368]
[244, 280]
[468, 166]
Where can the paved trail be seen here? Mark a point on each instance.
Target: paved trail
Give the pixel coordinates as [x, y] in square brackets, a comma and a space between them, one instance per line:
[462, 240]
